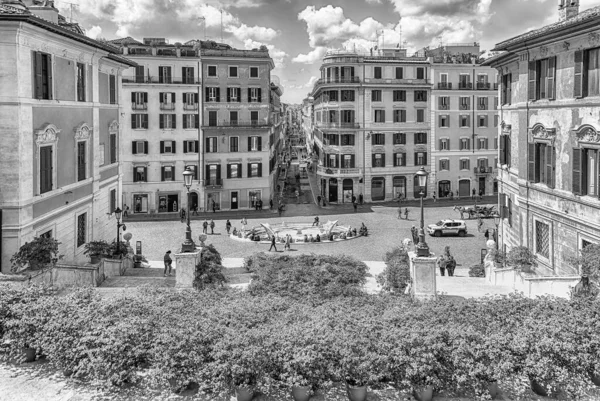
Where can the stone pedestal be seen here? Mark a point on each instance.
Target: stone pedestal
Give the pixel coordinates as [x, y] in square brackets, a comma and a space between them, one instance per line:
[422, 273]
[185, 266]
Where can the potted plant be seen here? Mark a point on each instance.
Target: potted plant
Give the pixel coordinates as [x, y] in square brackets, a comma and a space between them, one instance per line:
[396, 275]
[589, 261]
[35, 255]
[96, 249]
[117, 249]
[522, 259]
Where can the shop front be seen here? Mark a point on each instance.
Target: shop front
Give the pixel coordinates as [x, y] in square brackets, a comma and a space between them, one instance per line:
[378, 188]
[444, 189]
[399, 187]
[348, 188]
[464, 188]
[140, 203]
[333, 190]
[168, 202]
[213, 201]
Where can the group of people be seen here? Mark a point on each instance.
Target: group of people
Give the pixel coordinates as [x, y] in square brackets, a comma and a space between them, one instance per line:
[446, 262]
[205, 226]
[405, 213]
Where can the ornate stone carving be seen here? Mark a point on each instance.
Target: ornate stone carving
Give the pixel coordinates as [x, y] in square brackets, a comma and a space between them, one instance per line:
[594, 38]
[48, 134]
[506, 128]
[566, 45]
[544, 51]
[113, 127]
[541, 132]
[587, 134]
[82, 132]
[420, 148]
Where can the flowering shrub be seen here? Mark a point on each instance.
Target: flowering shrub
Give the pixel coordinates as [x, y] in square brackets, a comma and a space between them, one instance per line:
[396, 275]
[477, 270]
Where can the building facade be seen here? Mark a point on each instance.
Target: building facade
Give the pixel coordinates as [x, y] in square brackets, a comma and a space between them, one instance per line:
[464, 122]
[371, 128]
[60, 130]
[550, 138]
[161, 129]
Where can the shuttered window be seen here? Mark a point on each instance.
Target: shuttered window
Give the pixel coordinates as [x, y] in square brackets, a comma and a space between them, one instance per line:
[541, 163]
[42, 72]
[45, 169]
[542, 79]
[81, 161]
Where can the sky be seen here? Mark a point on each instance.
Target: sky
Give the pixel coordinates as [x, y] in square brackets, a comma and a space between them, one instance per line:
[299, 32]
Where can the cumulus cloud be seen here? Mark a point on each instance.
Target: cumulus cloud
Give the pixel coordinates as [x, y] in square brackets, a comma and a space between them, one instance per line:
[94, 32]
[259, 33]
[311, 57]
[311, 82]
[276, 54]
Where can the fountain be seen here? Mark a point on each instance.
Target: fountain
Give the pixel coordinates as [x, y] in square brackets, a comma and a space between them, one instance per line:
[328, 232]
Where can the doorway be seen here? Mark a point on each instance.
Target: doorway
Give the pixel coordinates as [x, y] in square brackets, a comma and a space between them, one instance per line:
[168, 203]
[348, 187]
[495, 187]
[333, 190]
[464, 188]
[378, 189]
[399, 187]
[234, 200]
[444, 189]
[193, 201]
[213, 201]
[482, 185]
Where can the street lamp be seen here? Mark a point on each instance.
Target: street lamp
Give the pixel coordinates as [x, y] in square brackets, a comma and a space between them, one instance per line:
[422, 247]
[188, 245]
[118, 212]
[497, 219]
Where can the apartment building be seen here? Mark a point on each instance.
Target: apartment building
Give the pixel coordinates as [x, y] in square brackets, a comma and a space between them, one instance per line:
[549, 167]
[371, 124]
[464, 122]
[59, 108]
[162, 106]
[236, 127]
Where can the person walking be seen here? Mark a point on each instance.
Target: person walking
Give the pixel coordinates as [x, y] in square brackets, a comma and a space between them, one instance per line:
[228, 226]
[355, 205]
[316, 222]
[244, 222]
[273, 243]
[473, 192]
[288, 242]
[406, 214]
[271, 204]
[353, 199]
[400, 212]
[182, 214]
[260, 204]
[168, 263]
[481, 194]
[487, 234]
[441, 263]
[126, 211]
[415, 234]
[212, 226]
[434, 197]
[214, 206]
[360, 198]
[319, 200]
[205, 227]
[195, 210]
[280, 209]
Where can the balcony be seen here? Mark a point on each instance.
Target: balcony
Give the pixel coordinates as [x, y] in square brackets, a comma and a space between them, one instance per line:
[139, 106]
[190, 107]
[484, 86]
[167, 106]
[483, 170]
[338, 172]
[238, 123]
[338, 125]
[444, 107]
[161, 80]
[444, 85]
[213, 183]
[465, 85]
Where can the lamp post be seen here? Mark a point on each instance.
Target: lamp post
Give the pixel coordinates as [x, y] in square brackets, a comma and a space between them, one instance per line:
[422, 247]
[188, 245]
[118, 212]
[497, 219]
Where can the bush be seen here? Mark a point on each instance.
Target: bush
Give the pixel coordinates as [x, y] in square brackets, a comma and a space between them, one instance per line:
[477, 270]
[210, 270]
[396, 275]
[36, 254]
[521, 257]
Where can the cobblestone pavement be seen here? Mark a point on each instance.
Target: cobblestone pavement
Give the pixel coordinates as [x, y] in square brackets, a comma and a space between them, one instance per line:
[385, 232]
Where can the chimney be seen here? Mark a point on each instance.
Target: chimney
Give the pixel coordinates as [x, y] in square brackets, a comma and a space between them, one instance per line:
[567, 9]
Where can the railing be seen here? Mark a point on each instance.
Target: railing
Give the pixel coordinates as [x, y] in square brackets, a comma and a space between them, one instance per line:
[213, 182]
[167, 106]
[193, 106]
[484, 85]
[465, 107]
[338, 125]
[465, 85]
[237, 123]
[482, 107]
[161, 80]
[338, 171]
[338, 80]
[444, 85]
[139, 106]
[444, 107]
[483, 170]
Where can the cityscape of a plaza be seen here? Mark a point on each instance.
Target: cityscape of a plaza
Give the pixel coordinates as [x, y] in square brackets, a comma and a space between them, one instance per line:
[299, 200]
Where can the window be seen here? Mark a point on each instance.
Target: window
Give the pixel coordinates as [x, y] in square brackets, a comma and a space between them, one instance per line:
[347, 139]
[496, 118]
[465, 164]
[541, 163]
[167, 173]
[399, 138]
[399, 73]
[420, 96]
[81, 229]
[378, 139]
[212, 94]
[164, 75]
[332, 96]
[482, 143]
[255, 95]
[139, 147]
[234, 170]
[190, 101]
[464, 81]
[167, 146]
[139, 174]
[420, 115]
[187, 75]
[506, 88]
[139, 74]
[233, 72]
[190, 146]
[420, 158]
[253, 72]
[331, 161]
[167, 121]
[254, 117]
[379, 116]
[113, 201]
[420, 73]
[254, 144]
[399, 116]
[444, 165]
[587, 72]
[81, 161]
[399, 96]
[167, 100]
[212, 118]
[444, 121]
[347, 116]
[347, 161]
[443, 84]
[331, 139]
[234, 144]
[233, 95]
[347, 96]
[112, 148]
[586, 172]
[482, 164]
[139, 100]
[378, 160]
[465, 121]
[420, 138]
[482, 121]
[444, 102]
[465, 103]
[542, 239]
[482, 103]
[505, 148]
[254, 170]
[139, 121]
[376, 95]
[191, 121]
[211, 144]
[48, 234]
[377, 72]
[233, 117]
[465, 144]
[42, 67]
[541, 79]
[46, 169]
[112, 89]
[445, 144]
[212, 71]
[399, 159]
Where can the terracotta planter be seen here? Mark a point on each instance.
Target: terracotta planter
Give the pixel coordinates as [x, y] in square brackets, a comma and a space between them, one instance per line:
[356, 393]
[423, 393]
[244, 393]
[29, 354]
[94, 259]
[539, 388]
[301, 393]
[493, 389]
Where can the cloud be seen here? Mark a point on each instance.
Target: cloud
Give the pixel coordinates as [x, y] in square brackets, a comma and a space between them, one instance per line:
[276, 54]
[312, 57]
[326, 24]
[259, 33]
[311, 82]
[374, 1]
[94, 32]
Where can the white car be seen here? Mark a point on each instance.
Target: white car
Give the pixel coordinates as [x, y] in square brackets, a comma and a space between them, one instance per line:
[448, 227]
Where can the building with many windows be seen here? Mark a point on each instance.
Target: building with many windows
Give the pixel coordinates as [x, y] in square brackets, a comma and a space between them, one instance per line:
[59, 107]
[464, 122]
[371, 115]
[549, 167]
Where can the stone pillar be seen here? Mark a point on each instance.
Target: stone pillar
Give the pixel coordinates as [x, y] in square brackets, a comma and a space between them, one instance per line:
[185, 265]
[422, 273]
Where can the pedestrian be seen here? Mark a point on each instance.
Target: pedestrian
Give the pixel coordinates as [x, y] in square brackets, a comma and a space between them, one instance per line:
[271, 204]
[450, 265]
[288, 241]
[316, 222]
[480, 194]
[353, 199]
[182, 214]
[228, 226]
[205, 227]
[406, 214]
[260, 204]
[195, 210]
[415, 234]
[479, 223]
[355, 206]
[214, 206]
[212, 226]
[473, 192]
[400, 213]
[319, 200]
[360, 198]
[487, 234]
[168, 263]
[126, 211]
[441, 263]
[434, 197]
[273, 243]
[280, 209]
[244, 222]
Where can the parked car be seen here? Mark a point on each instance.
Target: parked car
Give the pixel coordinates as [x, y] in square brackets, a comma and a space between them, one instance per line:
[448, 227]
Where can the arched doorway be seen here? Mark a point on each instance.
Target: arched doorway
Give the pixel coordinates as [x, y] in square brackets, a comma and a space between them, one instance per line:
[333, 190]
[348, 188]
[193, 201]
[417, 188]
[444, 189]
[378, 188]
[464, 188]
[399, 185]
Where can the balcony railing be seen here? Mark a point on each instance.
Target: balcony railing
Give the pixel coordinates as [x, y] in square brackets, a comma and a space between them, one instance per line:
[161, 80]
[444, 85]
[482, 107]
[237, 123]
[338, 80]
[465, 107]
[139, 106]
[191, 107]
[484, 85]
[465, 85]
[338, 125]
[213, 182]
[335, 171]
[483, 170]
[444, 107]
[167, 106]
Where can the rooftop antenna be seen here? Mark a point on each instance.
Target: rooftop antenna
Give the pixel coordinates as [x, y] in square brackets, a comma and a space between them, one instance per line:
[71, 7]
[221, 10]
[204, 20]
